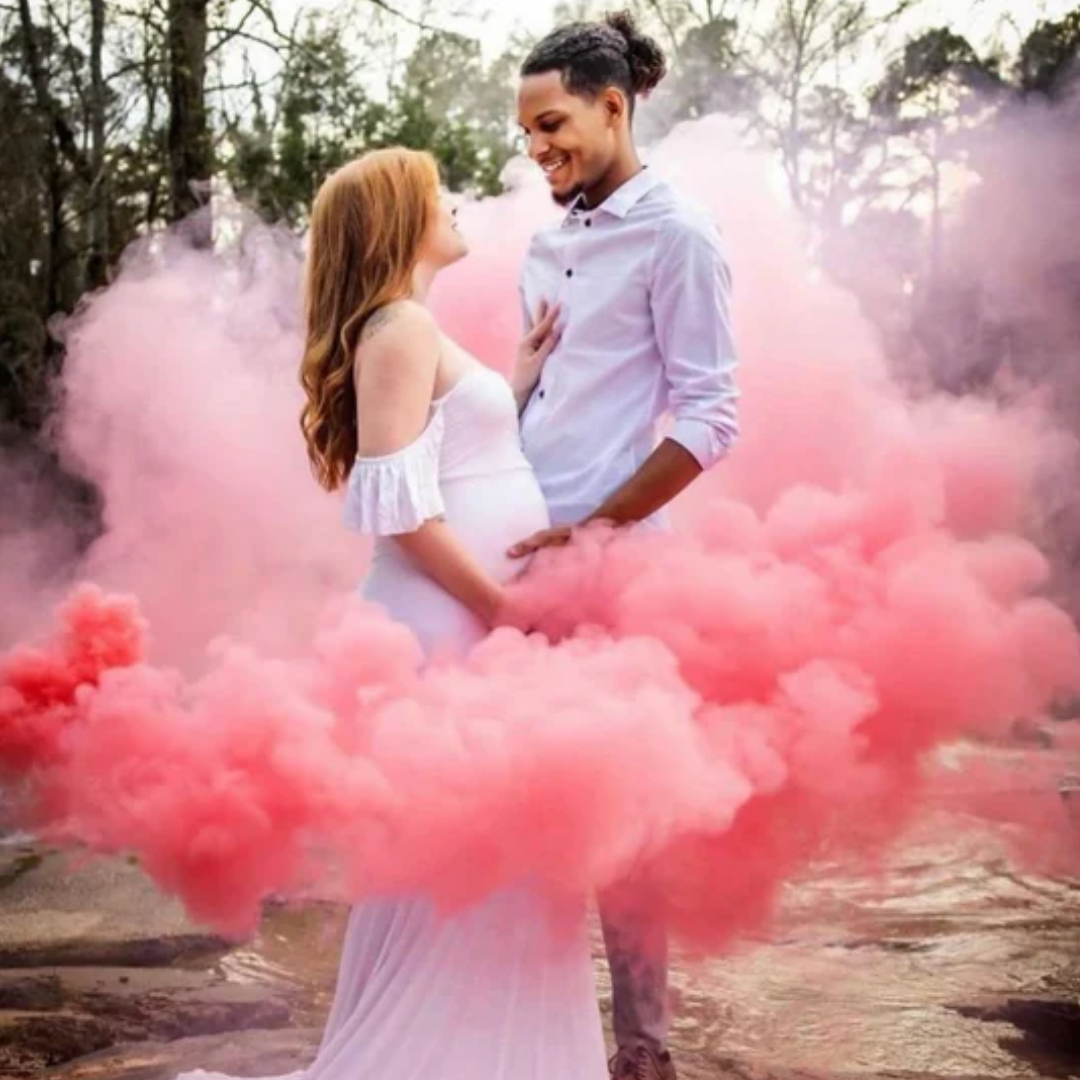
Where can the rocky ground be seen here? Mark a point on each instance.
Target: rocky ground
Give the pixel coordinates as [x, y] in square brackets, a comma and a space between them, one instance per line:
[103, 978]
[92, 957]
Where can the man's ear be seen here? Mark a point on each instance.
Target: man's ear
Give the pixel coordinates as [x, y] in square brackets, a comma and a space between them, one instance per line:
[615, 104]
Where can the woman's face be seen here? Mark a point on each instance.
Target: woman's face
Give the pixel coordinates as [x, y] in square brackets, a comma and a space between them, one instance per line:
[444, 243]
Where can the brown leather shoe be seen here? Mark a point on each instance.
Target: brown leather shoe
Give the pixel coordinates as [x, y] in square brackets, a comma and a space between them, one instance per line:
[642, 1064]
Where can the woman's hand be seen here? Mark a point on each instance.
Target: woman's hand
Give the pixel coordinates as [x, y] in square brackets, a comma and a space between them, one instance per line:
[503, 608]
[535, 348]
[512, 613]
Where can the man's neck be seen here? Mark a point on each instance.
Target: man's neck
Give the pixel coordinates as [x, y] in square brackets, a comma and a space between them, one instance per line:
[619, 174]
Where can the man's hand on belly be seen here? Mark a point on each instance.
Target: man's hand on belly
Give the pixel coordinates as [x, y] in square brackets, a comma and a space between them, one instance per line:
[557, 537]
[668, 470]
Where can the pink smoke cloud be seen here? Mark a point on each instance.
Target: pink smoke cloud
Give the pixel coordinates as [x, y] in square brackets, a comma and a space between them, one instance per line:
[181, 402]
[851, 589]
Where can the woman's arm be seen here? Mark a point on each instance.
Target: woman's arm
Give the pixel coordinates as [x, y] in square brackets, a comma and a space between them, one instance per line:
[394, 369]
[438, 551]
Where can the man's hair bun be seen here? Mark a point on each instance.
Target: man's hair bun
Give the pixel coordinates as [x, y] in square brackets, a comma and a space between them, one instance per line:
[648, 65]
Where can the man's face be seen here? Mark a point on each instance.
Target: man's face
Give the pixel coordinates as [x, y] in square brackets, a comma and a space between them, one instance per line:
[572, 138]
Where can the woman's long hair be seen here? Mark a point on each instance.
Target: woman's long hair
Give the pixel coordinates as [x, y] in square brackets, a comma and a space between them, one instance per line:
[367, 226]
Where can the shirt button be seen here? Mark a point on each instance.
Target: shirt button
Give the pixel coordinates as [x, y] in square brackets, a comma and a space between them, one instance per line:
[569, 273]
[542, 393]
[588, 222]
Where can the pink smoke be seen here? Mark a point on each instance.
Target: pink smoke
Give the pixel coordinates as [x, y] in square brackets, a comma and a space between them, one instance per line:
[852, 588]
[181, 402]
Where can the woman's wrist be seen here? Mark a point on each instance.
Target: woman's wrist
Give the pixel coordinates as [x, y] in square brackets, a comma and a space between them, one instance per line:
[491, 603]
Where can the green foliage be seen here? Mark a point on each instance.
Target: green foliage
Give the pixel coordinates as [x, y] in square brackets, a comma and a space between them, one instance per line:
[449, 104]
[322, 117]
[709, 74]
[1049, 61]
[444, 100]
[934, 73]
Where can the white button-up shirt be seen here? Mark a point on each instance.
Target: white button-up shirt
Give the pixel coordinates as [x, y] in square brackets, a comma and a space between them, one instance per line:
[646, 332]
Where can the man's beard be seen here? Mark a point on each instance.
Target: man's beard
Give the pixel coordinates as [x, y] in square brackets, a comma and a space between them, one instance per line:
[566, 198]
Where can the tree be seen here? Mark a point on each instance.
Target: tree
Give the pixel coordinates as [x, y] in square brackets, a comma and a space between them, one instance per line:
[706, 43]
[1048, 58]
[97, 263]
[939, 85]
[320, 117]
[190, 149]
[47, 191]
[110, 116]
[443, 99]
[24, 278]
[447, 102]
[799, 51]
[708, 76]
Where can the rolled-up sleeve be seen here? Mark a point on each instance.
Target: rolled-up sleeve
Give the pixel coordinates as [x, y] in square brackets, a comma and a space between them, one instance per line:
[690, 296]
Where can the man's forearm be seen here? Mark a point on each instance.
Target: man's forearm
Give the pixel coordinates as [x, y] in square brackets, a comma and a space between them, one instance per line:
[668, 470]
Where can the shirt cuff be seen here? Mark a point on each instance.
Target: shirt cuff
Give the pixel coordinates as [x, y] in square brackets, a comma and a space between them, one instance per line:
[700, 439]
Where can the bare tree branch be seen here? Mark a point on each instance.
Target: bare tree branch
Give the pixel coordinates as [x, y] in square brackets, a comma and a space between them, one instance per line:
[71, 54]
[39, 78]
[244, 35]
[658, 9]
[225, 36]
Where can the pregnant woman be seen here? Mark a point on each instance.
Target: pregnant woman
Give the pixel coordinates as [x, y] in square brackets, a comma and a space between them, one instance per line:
[424, 438]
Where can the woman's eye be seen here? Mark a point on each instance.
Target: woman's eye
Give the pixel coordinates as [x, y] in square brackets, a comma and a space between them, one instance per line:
[550, 129]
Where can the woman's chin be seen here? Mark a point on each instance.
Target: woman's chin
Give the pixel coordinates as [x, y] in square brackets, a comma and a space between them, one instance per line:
[450, 257]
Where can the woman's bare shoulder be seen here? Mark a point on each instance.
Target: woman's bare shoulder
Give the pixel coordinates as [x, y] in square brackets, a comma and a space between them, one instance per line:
[398, 322]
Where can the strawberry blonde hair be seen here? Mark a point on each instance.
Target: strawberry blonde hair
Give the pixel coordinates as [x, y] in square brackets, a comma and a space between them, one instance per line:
[368, 223]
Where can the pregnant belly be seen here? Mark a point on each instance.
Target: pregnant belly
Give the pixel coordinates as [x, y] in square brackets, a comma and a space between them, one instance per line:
[488, 514]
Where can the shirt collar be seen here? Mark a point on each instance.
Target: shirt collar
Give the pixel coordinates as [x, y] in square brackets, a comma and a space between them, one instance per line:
[623, 199]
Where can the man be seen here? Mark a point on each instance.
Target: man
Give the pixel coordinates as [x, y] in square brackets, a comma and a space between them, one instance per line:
[642, 287]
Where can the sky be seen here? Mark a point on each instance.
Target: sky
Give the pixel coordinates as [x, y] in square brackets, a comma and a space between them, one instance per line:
[493, 21]
[990, 25]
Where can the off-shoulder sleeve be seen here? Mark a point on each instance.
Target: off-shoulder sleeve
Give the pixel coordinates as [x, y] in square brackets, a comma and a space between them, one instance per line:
[398, 492]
